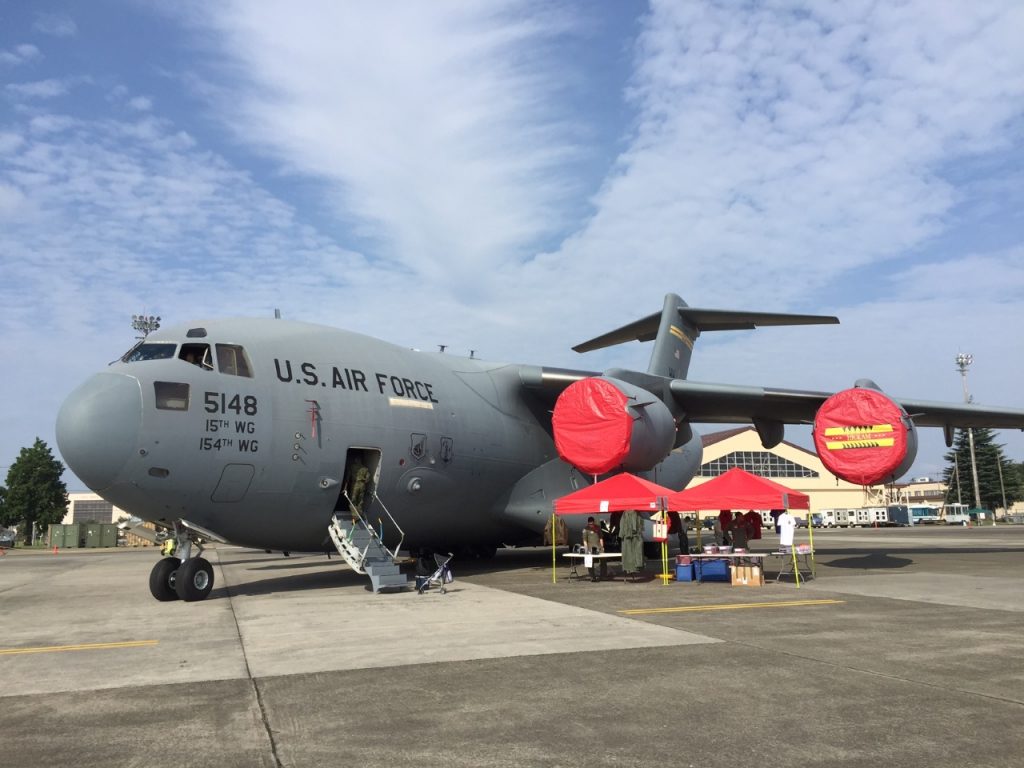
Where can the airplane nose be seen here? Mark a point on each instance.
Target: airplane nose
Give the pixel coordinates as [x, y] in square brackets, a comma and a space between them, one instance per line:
[98, 426]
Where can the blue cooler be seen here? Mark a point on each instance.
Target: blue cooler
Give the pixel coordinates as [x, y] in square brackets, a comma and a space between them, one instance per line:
[712, 570]
[684, 572]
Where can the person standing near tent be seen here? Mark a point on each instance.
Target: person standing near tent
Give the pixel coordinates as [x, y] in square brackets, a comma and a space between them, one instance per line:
[753, 525]
[593, 544]
[739, 531]
[725, 524]
[631, 531]
[678, 527]
[787, 526]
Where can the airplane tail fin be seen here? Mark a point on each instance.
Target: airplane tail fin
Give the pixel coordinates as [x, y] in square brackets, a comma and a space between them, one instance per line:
[675, 330]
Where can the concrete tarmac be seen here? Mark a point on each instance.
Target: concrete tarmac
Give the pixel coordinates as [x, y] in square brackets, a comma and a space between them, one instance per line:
[904, 650]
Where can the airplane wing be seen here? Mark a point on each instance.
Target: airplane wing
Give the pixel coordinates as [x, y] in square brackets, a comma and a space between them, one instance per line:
[739, 404]
[731, 404]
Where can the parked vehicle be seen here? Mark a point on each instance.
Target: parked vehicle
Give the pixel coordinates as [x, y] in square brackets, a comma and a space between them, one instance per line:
[860, 517]
[6, 539]
[902, 515]
[956, 514]
[925, 514]
[879, 515]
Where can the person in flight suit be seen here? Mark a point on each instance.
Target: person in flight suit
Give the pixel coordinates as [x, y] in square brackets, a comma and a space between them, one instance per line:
[593, 543]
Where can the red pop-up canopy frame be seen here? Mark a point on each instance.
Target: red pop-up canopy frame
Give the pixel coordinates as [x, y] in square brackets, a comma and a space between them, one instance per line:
[738, 489]
[616, 494]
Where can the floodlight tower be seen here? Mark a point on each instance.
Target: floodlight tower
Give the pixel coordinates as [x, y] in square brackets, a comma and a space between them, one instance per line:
[962, 362]
[145, 324]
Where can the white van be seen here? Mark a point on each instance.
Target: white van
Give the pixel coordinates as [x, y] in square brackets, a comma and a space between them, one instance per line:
[956, 514]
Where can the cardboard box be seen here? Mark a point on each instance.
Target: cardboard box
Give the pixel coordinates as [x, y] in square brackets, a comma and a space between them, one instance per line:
[747, 576]
[756, 576]
[738, 575]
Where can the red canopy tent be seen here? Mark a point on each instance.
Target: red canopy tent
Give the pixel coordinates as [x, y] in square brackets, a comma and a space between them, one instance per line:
[738, 489]
[617, 493]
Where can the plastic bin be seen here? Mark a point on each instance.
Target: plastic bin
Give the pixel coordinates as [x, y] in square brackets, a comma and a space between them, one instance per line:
[684, 572]
[712, 570]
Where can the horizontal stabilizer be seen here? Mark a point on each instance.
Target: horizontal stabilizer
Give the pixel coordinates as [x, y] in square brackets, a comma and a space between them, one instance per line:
[700, 319]
[677, 326]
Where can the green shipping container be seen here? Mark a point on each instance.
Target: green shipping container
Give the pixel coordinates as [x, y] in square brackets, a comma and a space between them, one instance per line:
[65, 536]
[108, 535]
[91, 535]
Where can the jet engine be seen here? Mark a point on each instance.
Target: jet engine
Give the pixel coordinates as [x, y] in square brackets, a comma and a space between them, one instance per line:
[601, 424]
[863, 436]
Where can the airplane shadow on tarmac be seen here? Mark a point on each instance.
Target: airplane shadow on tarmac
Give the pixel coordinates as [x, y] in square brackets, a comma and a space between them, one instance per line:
[872, 561]
[292, 582]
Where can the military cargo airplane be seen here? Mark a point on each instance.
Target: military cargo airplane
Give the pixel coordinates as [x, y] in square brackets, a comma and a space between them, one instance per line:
[290, 436]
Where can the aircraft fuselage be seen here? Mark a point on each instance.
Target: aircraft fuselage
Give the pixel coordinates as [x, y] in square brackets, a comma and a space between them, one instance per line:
[260, 459]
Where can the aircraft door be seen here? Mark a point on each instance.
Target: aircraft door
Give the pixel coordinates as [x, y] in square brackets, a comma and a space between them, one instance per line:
[359, 486]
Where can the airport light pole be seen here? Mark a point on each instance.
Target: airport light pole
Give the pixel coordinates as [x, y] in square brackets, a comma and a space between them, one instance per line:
[962, 363]
[145, 324]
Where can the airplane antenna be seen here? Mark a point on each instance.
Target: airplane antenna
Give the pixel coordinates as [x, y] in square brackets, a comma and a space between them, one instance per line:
[442, 347]
[145, 324]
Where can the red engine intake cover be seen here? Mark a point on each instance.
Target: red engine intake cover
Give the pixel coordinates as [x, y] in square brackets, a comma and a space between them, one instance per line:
[592, 426]
[863, 436]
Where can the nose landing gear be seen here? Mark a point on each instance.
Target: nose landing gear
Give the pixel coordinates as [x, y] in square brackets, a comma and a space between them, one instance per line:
[182, 574]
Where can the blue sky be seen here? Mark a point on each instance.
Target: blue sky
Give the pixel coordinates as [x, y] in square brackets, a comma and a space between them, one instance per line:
[516, 177]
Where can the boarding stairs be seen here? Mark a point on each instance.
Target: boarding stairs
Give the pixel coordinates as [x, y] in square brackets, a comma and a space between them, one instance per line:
[359, 543]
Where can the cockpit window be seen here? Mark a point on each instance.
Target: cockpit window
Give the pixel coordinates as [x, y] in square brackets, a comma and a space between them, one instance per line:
[231, 360]
[197, 354]
[150, 351]
[171, 396]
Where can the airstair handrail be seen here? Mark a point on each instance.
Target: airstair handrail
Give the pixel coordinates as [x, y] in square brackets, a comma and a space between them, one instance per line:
[357, 515]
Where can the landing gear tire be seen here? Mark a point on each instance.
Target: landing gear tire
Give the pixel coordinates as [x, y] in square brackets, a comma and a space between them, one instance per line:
[194, 580]
[163, 577]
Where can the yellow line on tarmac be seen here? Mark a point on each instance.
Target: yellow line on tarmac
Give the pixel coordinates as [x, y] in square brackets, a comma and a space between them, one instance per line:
[81, 647]
[730, 606]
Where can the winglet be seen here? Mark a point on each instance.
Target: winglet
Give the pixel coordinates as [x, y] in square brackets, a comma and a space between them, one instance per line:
[677, 326]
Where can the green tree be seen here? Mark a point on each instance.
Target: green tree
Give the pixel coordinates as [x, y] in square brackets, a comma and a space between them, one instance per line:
[35, 492]
[989, 459]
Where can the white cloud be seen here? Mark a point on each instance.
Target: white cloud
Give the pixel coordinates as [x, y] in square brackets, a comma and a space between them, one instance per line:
[11, 200]
[140, 103]
[55, 24]
[771, 143]
[19, 54]
[9, 142]
[437, 125]
[40, 89]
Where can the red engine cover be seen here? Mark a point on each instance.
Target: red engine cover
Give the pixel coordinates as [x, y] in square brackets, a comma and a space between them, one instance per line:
[592, 426]
[863, 436]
